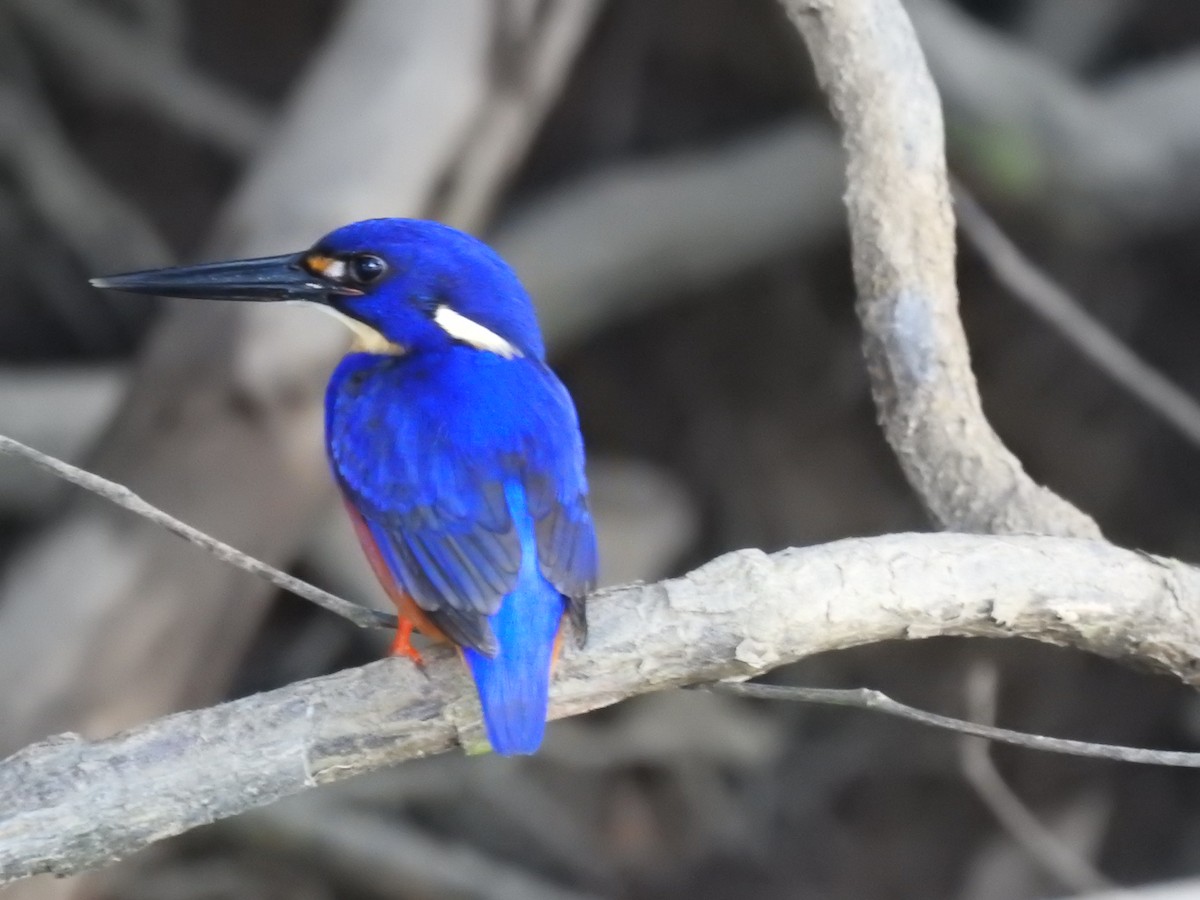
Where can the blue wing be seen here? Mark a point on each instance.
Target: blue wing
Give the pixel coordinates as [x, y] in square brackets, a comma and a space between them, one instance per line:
[425, 457]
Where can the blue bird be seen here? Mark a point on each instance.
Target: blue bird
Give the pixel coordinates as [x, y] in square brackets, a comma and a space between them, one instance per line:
[456, 448]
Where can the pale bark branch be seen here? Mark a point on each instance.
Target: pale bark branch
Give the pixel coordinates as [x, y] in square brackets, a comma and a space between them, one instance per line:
[902, 230]
[69, 804]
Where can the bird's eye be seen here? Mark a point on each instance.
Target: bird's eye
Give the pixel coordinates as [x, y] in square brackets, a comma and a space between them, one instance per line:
[366, 268]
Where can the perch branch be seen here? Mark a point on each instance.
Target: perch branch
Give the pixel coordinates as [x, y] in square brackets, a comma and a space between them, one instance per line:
[361, 616]
[68, 804]
[368, 618]
[902, 232]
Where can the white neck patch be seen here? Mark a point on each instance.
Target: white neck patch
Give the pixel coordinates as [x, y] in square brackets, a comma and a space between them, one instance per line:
[471, 332]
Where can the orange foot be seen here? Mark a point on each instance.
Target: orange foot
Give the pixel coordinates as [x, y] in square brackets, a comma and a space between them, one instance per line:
[402, 644]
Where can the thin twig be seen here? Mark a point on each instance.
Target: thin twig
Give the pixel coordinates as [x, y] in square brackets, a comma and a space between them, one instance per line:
[865, 698]
[361, 616]
[1037, 292]
[1042, 844]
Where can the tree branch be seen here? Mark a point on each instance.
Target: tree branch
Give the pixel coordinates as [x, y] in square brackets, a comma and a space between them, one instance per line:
[902, 230]
[69, 804]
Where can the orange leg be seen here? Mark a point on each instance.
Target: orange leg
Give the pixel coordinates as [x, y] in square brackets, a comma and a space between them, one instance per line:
[402, 644]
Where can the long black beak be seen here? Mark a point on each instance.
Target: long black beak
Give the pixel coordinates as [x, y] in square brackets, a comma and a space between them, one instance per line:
[267, 278]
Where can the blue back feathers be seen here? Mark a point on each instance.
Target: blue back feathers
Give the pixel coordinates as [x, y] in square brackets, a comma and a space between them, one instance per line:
[465, 464]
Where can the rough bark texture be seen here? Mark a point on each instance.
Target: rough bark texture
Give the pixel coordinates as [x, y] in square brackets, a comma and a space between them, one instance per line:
[902, 229]
[69, 804]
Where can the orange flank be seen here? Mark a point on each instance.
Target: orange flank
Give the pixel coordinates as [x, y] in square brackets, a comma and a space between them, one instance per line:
[410, 614]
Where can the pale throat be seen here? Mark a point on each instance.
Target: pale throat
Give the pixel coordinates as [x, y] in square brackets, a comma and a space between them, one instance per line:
[366, 339]
[456, 325]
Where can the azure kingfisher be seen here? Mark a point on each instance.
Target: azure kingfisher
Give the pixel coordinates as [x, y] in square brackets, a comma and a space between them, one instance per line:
[456, 448]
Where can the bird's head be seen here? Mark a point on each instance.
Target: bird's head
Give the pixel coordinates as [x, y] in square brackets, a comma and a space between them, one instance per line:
[401, 284]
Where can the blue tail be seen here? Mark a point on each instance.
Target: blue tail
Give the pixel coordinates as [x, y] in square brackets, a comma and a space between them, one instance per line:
[513, 685]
